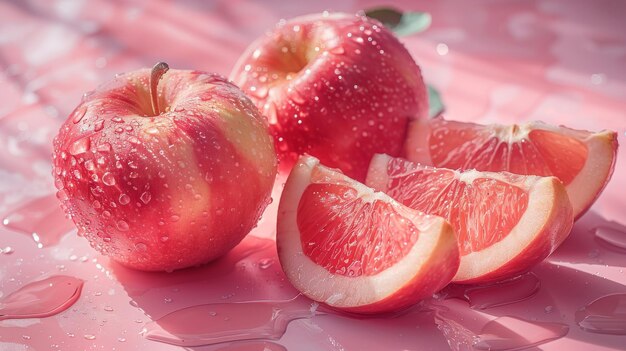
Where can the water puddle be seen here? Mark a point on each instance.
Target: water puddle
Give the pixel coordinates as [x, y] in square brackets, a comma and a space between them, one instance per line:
[606, 315]
[42, 298]
[501, 293]
[42, 219]
[226, 322]
[612, 238]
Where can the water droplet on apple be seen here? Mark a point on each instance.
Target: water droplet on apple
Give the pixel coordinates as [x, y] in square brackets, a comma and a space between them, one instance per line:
[104, 147]
[141, 246]
[122, 225]
[175, 218]
[164, 238]
[108, 179]
[79, 114]
[124, 199]
[337, 50]
[62, 195]
[98, 125]
[117, 119]
[80, 146]
[266, 263]
[152, 130]
[145, 197]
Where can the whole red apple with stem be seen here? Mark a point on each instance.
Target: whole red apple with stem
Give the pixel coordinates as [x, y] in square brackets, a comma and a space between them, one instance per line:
[336, 86]
[164, 169]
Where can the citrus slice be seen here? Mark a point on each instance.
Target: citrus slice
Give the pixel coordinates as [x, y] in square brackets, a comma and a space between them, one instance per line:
[357, 250]
[582, 160]
[505, 223]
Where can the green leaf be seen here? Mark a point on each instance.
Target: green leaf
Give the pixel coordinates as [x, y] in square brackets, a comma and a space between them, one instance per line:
[401, 23]
[435, 104]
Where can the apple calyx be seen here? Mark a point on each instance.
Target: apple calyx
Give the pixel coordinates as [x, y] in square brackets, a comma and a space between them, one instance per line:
[155, 76]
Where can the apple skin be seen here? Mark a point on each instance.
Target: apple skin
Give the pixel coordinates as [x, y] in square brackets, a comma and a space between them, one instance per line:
[167, 191]
[336, 86]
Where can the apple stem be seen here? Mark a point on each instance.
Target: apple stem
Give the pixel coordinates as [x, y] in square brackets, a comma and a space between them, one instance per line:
[155, 76]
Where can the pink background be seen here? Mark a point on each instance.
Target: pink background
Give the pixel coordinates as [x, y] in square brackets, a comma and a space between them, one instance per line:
[562, 62]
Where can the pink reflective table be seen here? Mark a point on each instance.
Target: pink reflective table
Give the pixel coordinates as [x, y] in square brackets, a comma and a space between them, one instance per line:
[562, 62]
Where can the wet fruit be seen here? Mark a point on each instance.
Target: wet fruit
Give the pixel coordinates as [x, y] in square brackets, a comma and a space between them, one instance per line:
[336, 86]
[357, 250]
[164, 175]
[505, 223]
[582, 160]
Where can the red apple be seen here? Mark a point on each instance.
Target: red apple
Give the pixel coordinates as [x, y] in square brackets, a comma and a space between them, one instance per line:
[164, 175]
[339, 87]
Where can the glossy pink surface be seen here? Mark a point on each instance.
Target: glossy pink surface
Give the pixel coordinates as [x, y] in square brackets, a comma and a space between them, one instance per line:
[558, 61]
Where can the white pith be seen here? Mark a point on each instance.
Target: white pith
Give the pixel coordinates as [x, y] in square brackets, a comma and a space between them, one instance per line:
[341, 291]
[542, 192]
[582, 190]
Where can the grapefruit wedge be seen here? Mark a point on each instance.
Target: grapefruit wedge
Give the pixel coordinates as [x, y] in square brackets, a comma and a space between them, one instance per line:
[582, 160]
[357, 250]
[505, 223]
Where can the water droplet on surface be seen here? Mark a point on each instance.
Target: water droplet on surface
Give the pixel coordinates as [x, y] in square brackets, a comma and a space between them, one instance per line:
[141, 247]
[89, 336]
[605, 315]
[108, 308]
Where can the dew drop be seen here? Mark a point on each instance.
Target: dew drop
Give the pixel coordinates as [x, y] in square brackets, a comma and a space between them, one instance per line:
[124, 199]
[141, 246]
[108, 179]
[122, 225]
[99, 125]
[266, 263]
[80, 146]
[89, 165]
[79, 114]
[145, 197]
